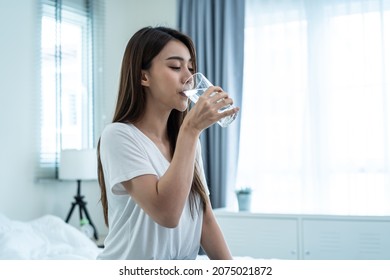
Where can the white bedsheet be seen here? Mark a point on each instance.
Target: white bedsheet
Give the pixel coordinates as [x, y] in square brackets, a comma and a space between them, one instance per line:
[47, 237]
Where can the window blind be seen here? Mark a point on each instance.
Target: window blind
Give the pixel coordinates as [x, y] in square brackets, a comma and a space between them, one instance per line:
[71, 63]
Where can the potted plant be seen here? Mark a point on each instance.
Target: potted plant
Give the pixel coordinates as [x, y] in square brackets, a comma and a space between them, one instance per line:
[244, 198]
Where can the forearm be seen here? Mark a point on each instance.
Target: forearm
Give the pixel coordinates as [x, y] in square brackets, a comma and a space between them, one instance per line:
[174, 186]
[181, 170]
[212, 239]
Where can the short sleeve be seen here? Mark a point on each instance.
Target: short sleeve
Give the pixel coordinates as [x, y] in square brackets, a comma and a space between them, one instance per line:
[122, 156]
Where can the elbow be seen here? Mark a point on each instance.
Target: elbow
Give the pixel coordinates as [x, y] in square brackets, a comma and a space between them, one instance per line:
[171, 221]
[167, 215]
[169, 224]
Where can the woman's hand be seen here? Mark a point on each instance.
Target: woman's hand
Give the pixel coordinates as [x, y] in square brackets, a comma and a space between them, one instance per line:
[205, 112]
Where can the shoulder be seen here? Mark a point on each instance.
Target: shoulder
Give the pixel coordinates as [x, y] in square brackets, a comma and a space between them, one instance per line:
[117, 130]
[119, 136]
[121, 140]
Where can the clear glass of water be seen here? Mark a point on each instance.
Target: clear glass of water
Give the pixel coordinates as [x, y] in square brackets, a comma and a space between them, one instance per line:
[195, 86]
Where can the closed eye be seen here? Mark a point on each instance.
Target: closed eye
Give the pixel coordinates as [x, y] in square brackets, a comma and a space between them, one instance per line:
[177, 68]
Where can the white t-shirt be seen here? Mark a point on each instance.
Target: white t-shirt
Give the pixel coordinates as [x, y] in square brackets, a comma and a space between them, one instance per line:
[127, 153]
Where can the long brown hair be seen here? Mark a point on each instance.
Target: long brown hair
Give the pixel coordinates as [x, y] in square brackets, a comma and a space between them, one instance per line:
[140, 51]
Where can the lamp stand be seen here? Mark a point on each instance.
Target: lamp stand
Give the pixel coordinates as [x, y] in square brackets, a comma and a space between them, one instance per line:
[79, 201]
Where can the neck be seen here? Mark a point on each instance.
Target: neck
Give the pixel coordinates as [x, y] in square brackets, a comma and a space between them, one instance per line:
[154, 120]
[154, 127]
[157, 132]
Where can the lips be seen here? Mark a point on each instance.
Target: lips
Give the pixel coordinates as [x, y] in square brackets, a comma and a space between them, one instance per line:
[182, 94]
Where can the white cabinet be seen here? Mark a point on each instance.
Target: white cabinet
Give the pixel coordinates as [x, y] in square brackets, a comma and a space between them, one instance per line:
[346, 238]
[315, 237]
[259, 236]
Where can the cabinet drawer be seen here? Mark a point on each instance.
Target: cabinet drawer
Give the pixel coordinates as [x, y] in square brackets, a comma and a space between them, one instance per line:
[260, 237]
[346, 239]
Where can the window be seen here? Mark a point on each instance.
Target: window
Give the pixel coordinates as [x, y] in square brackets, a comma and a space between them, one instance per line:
[316, 107]
[67, 80]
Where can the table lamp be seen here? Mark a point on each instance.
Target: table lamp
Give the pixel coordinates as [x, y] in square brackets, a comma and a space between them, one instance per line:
[78, 165]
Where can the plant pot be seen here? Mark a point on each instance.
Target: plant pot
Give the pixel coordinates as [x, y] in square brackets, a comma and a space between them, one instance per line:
[244, 201]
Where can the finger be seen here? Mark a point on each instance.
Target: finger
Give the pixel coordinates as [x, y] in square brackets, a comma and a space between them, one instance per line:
[211, 91]
[223, 103]
[218, 96]
[229, 112]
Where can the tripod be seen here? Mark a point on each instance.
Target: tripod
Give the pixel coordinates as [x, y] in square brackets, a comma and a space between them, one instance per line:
[79, 200]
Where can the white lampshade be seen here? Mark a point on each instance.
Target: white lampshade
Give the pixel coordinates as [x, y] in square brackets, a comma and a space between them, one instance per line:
[78, 165]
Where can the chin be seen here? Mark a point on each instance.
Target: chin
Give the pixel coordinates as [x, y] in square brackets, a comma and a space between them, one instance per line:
[182, 107]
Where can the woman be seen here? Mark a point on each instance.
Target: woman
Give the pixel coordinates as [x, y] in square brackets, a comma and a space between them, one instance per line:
[153, 190]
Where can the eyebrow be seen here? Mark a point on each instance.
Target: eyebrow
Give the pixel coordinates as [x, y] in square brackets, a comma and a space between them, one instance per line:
[177, 58]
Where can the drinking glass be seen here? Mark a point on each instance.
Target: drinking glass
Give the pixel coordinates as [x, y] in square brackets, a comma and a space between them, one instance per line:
[195, 86]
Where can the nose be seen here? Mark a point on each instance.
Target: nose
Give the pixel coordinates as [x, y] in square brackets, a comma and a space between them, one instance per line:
[186, 75]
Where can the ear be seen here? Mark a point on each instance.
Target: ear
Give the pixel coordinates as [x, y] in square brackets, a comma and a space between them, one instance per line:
[144, 78]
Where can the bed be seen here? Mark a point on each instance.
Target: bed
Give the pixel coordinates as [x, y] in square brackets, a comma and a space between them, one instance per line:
[47, 237]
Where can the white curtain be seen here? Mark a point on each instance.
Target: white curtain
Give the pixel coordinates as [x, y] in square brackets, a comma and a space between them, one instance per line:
[315, 113]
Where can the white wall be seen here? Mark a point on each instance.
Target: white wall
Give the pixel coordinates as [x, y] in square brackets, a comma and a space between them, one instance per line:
[21, 197]
[123, 19]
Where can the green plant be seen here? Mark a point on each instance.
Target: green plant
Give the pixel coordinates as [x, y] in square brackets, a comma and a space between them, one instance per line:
[244, 190]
